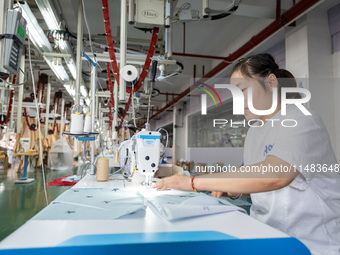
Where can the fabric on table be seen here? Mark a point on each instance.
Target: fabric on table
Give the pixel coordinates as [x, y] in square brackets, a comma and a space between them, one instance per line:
[174, 204]
[92, 204]
[62, 181]
[71, 178]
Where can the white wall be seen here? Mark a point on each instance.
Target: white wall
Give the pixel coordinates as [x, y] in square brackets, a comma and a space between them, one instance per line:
[165, 119]
[309, 58]
[210, 156]
[336, 96]
[180, 129]
[297, 50]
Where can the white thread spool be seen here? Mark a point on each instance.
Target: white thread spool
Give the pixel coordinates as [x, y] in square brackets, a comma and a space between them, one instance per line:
[88, 124]
[129, 73]
[102, 170]
[77, 123]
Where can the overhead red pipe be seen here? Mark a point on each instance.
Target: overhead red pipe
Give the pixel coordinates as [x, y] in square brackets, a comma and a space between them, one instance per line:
[109, 39]
[109, 83]
[278, 11]
[184, 38]
[196, 55]
[147, 62]
[194, 75]
[110, 103]
[143, 73]
[9, 111]
[287, 17]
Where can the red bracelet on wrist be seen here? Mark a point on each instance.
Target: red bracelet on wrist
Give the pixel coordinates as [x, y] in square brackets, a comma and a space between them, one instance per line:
[192, 184]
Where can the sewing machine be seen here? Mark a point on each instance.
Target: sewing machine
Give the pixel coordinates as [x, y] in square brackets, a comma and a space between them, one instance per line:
[145, 148]
[25, 144]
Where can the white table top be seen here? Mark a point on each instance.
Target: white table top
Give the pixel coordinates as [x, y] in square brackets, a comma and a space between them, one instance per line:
[50, 233]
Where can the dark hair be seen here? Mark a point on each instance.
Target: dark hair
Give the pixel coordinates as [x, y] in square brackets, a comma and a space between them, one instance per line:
[261, 65]
[287, 80]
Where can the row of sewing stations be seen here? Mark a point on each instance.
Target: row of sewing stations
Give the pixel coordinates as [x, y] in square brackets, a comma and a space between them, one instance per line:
[114, 208]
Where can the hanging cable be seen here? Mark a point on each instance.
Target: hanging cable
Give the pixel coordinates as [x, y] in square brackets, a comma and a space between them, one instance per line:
[43, 77]
[55, 117]
[65, 115]
[167, 139]
[153, 79]
[13, 84]
[226, 9]
[110, 116]
[147, 62]
[225, 12]
[109, 39]
[110, 103]
[39, 130]
[26, 116]
[133, 107]
[108, 71]
[88, 29]
[9, 111]
[143, 73]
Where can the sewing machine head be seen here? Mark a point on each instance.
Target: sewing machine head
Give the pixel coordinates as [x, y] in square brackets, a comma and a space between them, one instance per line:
[25, 144]
[147, 148]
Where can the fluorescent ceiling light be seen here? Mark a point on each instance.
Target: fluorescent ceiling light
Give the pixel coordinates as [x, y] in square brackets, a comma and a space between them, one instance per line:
[37, 35]
[52, 20]
[83, 91]
[88, 101]
[41, 42]
[72, 68]
[59, 70]
[70, 90]
[49, 14]
[64, 47]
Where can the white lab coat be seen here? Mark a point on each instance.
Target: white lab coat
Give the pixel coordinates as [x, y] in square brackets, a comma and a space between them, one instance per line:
[308, 208]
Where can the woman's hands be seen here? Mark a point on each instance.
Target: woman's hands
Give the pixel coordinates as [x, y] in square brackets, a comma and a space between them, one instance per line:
[218, 194]
[179, 182]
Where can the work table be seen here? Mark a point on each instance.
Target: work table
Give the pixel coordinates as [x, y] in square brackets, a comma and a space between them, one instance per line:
[234, 231]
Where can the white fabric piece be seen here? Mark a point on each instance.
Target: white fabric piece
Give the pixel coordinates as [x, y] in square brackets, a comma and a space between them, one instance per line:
[60, 155]
[174, 204]
[309, 207]
[72, 178]
[92, 204]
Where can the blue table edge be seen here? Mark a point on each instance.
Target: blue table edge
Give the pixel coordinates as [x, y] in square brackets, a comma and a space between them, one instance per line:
[190, 242]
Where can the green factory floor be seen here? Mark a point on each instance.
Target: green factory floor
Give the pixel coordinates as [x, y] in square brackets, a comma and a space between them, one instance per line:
[20, 202]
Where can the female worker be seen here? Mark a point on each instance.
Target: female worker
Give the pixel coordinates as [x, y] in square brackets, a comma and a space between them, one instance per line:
[302, 199]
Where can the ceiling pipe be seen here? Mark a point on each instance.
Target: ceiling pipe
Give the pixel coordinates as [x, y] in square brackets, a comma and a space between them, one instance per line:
[123, 47]
[278, 11]
[196, 55]
[79, 63]
[183, 37]
[286, 18]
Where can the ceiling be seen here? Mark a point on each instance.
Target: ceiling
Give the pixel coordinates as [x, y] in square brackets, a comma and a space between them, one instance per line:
[213, 38]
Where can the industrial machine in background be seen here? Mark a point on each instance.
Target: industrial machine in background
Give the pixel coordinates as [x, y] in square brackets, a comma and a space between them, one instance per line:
[142, 153]
[12, 37]
[148, 13]
[146, 151]
[25, 144]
